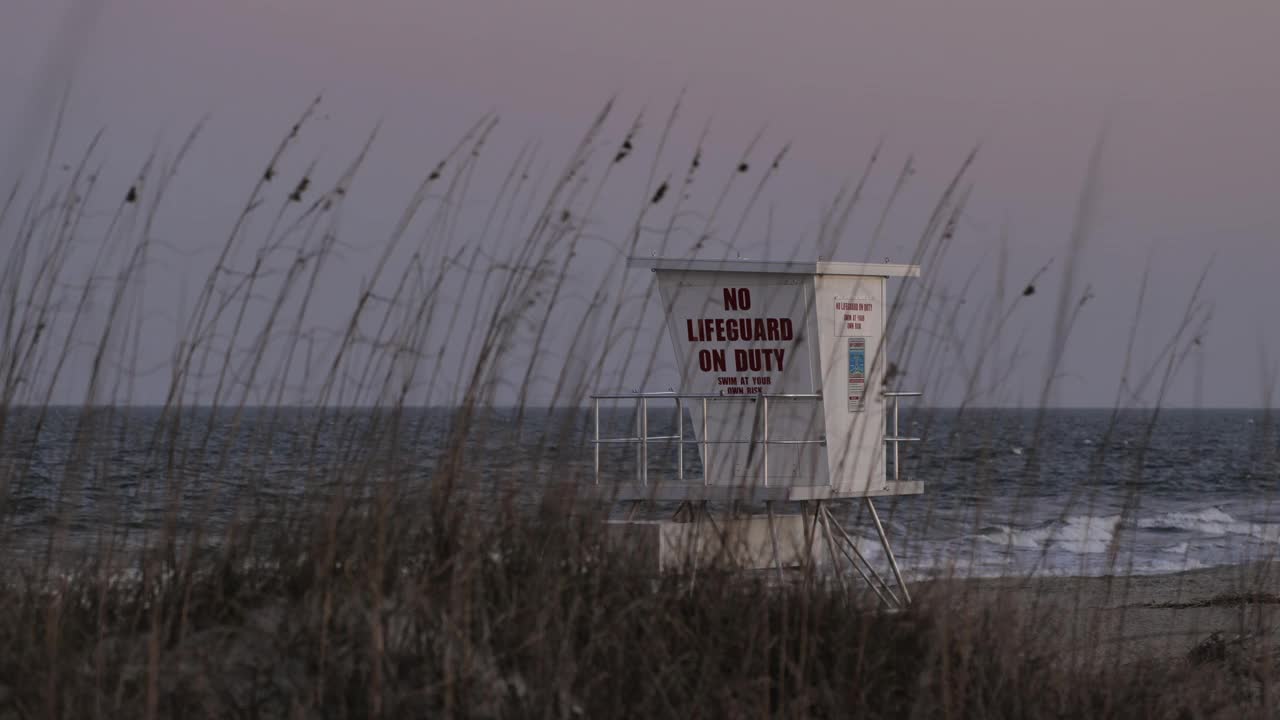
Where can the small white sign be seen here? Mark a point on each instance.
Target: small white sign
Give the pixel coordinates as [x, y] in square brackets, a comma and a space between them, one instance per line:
[852, 315]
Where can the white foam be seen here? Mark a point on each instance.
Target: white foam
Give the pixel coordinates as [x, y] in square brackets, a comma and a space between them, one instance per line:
[1078, 534]
[1213, 522]
[1158, 567]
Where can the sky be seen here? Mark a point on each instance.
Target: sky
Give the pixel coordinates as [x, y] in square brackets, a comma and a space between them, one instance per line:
[1181, 97]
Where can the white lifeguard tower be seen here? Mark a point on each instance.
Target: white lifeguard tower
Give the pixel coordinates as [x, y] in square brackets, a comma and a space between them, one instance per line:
[782, 371]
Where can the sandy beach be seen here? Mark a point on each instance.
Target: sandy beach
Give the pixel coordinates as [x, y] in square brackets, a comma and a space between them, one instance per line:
[1136, 617]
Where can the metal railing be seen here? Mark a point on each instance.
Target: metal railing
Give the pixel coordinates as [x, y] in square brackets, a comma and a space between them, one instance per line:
[897, 438]
[643, 438]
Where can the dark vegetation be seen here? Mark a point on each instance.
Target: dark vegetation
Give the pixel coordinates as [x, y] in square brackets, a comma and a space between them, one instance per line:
[384, 587]
[528, 618]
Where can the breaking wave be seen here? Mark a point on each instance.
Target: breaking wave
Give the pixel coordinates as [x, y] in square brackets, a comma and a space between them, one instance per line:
[1212, 522]
[1078, 534]
[1090, 534]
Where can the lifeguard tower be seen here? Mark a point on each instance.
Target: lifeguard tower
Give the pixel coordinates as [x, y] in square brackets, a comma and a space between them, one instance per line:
[782, 373]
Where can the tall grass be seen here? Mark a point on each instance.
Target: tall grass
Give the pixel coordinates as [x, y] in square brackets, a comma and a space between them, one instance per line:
[288, 534]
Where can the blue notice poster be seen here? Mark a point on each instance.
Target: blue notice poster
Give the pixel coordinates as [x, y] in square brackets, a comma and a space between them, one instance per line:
[857, 373]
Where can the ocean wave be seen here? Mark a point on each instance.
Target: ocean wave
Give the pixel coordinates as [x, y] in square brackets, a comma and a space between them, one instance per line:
[1092, 534]
[1077, 534]
[1159, 567]
[1213, 522]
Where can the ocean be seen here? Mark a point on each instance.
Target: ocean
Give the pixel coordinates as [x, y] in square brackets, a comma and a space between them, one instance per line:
[1089, 492]
[1071, 492]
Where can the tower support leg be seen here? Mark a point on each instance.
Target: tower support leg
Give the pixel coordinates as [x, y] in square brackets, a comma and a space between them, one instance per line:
[859, 562]
[810, 529]
[773, 538]
[824, 517]
[888, 552]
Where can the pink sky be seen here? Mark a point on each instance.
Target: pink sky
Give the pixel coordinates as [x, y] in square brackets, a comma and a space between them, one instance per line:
[1189, 90]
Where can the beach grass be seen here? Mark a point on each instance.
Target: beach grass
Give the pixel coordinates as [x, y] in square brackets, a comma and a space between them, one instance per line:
[477, 581]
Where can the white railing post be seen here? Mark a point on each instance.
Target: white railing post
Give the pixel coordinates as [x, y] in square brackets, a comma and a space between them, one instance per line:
[706, 447]
[765, 409]
[644, 441]
[680, 439]
[896, 443]
[636, 440]
[595, 403]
